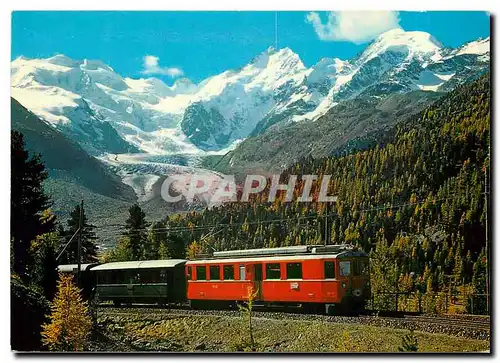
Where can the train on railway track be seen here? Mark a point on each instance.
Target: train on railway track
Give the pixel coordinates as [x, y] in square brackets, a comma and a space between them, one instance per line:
[329, 279]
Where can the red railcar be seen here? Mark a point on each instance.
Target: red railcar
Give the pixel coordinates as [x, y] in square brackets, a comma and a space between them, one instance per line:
[316, 277]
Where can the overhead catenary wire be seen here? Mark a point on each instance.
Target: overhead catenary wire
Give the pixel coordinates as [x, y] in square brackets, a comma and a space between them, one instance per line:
[299, 218]
[67, 244]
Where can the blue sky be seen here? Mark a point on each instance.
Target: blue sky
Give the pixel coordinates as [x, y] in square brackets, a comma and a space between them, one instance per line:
[200, 44]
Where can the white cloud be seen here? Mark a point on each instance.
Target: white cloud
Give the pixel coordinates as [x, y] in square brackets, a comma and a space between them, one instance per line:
[151, 65]
[353, 26]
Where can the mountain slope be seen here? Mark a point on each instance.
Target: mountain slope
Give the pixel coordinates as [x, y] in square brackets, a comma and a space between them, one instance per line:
[349, 125]
[73, 174]
[396, 62]
[64, 158]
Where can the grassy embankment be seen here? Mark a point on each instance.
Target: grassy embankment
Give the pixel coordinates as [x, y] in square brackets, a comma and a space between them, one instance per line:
[133, 332]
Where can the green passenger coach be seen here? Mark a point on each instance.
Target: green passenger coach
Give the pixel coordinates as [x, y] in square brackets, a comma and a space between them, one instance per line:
[154, 281]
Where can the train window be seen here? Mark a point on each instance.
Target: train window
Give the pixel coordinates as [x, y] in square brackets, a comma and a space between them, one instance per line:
[361, 267]
[149, 276]
[163, 275]
[329, 270]
[228, 272]
[189, 273]
[122, 276]
[107, 277]
[273, 271]
[102, 278]
[242, 272]
[126, 277]
[201, 273]
[146, 276]
[345, 268]
[294, 270]
[214, 272]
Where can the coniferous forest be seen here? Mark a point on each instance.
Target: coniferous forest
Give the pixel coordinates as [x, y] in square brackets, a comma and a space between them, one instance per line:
[416, 203]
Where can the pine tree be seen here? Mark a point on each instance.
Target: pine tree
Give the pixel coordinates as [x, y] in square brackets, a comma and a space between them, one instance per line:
[479, 283]
[28, 312]
[121, 252]
[70, 323]
[45, 267]
[176, 247]
[247, 312]
[88, 236]
[163, 251]
[136, 226]
[28, 201]
[155, 239]
[193, 250]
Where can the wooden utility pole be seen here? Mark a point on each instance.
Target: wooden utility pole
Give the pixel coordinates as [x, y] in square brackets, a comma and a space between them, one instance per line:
[326, 222]
[79, 251]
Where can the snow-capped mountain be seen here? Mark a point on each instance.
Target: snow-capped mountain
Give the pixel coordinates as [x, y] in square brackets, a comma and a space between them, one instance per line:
[107, 113]
[396, 62]
[228, 107]
[98, 108]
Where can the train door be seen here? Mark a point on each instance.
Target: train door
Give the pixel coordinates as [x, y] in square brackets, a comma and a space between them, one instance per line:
[257, 280]
[361, 277]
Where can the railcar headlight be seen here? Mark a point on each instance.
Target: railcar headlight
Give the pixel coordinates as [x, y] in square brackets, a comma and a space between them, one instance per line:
[343, 285]
[367, 284]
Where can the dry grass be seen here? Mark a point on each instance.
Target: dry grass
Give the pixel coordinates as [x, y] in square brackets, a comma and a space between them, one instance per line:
[229, 334]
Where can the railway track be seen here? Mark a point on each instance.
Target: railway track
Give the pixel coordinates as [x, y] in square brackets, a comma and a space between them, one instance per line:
[452, 321]
[472, 328]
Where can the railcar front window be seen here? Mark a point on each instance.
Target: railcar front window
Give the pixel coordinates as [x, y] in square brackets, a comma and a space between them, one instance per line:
[345, 268]
[214, 272]
[201, 273]
[273, 271]
[329, 270]
[356, 267]
[294, 270]
[228, 272]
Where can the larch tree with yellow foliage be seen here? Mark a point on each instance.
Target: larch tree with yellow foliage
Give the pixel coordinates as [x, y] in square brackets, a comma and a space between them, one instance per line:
[70, 323]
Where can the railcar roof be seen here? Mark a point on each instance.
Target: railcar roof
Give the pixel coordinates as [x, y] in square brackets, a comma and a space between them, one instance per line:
[74, 267]
[127, 265]
[281, 258]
